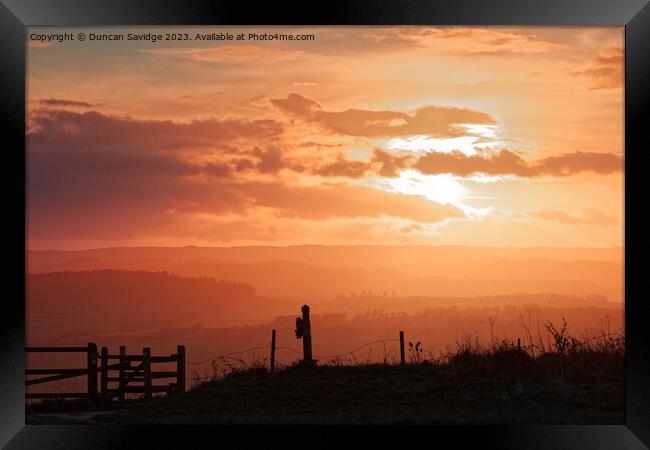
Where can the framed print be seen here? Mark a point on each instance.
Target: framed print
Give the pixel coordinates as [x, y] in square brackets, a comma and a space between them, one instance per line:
[363, 213]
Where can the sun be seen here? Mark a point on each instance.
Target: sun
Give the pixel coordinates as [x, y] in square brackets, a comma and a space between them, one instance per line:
[443, 188]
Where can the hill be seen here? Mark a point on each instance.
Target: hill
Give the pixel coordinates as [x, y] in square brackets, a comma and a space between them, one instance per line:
[327, 255]
[112, 300]
[330, 272]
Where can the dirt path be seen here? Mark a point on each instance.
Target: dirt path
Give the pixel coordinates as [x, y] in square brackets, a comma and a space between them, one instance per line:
[67, 417]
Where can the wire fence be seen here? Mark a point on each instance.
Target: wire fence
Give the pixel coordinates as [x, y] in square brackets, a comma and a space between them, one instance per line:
[222, 364]
[229, 355]
[352, 352]
[317, 357]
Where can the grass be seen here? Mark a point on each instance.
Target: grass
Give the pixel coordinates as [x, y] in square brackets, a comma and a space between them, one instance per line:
[565, 381]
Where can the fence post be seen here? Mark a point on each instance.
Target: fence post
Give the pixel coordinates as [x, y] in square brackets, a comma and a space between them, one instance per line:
[146, 367]
[401, 348]
[104, 373]
[122, 382]
[272, 351]
[92, 371]
[306, 339]
[180, 369]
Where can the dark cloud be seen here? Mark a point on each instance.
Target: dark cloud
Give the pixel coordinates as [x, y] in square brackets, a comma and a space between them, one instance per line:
[270, 160]
[95, 176]
[297, 104]
[382, 163]
[576, 162]
[430, 120]
[63, 102]
[389, 164]
[342, 167]
[105, 176]
[506, 162]
[220, 170]
[60, 128]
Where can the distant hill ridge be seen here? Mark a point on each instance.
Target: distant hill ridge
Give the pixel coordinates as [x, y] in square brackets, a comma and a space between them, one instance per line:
[317, 276]
[138, 300]
[323, 254]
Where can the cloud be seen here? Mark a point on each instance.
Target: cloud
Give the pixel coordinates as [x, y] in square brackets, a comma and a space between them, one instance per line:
[231, 53]
[91, 129]
[389, 164]
[342, 200]
[97, 176]
[588, 217]
[457, 163]
[469, 41]
[297, 104]
[63, 102]
[412, 228]
[270, 160]
[382, 163]
[430, 120]
[85, 203]
[570, 163]
[101, 175]
[342, 167]
[606, 70]
[506, 162]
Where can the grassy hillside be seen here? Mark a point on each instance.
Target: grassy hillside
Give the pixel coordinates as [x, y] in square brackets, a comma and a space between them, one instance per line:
[583, 385]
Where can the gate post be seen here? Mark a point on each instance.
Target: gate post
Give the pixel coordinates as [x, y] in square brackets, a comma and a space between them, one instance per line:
[122, 375]
[146, 366]
[180, 369]
[104, 373]
[92, 372]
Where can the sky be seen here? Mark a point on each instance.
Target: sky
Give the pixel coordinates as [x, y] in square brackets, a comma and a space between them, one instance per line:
[493, 136]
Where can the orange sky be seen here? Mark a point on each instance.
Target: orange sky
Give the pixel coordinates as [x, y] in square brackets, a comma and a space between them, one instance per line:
[405, 135]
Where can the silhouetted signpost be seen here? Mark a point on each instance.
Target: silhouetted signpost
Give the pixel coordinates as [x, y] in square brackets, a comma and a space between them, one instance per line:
[272, 351]
[303, 330]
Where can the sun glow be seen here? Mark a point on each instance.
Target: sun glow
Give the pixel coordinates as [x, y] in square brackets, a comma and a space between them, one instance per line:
[438, 188]
[445, 189]
[480, 136]
[486, 131]
[426, 144]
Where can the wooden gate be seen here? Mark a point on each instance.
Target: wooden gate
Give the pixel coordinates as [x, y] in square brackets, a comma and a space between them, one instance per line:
[90, 371]
[130, 374]
[135, 374]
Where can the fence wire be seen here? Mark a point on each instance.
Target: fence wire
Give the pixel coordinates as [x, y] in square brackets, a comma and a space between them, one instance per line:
[327, 357]
[227, 356]
[351, 352]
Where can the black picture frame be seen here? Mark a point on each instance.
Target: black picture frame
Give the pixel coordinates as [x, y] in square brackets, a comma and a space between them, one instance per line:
[16, 15]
